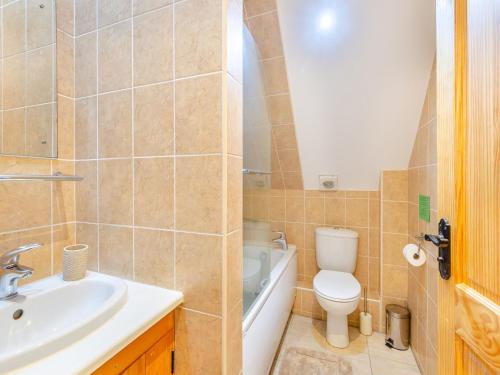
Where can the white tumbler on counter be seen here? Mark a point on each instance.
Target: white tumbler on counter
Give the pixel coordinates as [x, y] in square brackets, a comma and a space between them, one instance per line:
[75, 258]
[365, 319]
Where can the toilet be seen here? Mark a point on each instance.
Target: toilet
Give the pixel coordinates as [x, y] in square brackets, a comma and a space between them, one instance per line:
[336, 289]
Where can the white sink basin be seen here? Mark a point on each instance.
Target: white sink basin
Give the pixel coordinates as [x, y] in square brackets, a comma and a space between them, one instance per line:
[55, 314]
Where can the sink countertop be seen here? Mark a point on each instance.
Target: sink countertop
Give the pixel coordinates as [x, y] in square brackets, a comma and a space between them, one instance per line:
[145, 306]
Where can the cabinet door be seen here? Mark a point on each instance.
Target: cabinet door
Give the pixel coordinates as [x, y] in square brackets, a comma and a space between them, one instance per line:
[137, 368]
[159, 356]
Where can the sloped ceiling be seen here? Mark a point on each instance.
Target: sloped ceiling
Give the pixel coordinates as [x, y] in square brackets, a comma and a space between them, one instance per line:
[357, 72]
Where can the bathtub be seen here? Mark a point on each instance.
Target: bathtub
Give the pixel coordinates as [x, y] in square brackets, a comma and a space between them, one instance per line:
[265, 321]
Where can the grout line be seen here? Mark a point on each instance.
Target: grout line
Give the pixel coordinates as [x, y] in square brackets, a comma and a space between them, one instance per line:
[97, 3]
[132, 112]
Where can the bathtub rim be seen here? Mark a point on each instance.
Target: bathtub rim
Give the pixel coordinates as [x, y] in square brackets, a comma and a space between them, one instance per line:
[276, 274]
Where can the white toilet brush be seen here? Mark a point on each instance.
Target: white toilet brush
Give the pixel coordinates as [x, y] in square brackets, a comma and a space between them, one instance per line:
[365, 318]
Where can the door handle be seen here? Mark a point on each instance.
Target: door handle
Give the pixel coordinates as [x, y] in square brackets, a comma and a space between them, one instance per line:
[443, 242]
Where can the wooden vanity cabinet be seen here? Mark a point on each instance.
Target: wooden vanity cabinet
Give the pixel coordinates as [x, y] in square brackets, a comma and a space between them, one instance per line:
[149, 354]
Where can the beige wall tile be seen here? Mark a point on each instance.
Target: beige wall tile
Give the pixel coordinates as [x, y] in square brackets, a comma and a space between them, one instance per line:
[395, 217]
[14, 78]
[234, 37]
[275, 78]
[374, 278]
[39, 80]
[284, 137]
[234, 193]
[65, 127]
[39, 24]
[111, 11]
[295, 234]
[234, 341]
[198, 183]
[85, 16]
[277, 209]
[197, 343]
[395, 185]
[315, 210]
[234, 262]
[24, 204]
[115, 124]
[289, 160]
[280, 109]
[154, 192]
[115, 56]
[393, 245]
[256, 7]
[63, 193]
[115, 251]
[154, 257]
[202, 286]
[295, 209]
[153, 120]
[265, 29]
[40, 123]
[115, 191]
[198, 115]
[14, 28]
[198, 37]
[235, 117]
[335, 212]
[374, 242]
[394, 281]
[86, 128]
[293, 180]
[65, 65]
[153, 47]
[86, 65]
[357, 212]
[14, 132]
[141, 6]
[63, 235]
[86, 191]
[65, 15]
[87, 234]
[310, 305]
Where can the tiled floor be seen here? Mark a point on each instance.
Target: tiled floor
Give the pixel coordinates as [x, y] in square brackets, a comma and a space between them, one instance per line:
[368, 354]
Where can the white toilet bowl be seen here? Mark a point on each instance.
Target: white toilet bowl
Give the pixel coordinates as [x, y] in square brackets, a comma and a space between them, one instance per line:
[338, 293]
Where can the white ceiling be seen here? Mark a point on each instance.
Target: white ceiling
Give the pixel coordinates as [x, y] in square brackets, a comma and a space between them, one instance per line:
[358, 72]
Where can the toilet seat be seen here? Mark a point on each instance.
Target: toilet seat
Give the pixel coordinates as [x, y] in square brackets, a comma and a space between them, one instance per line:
[337, 286]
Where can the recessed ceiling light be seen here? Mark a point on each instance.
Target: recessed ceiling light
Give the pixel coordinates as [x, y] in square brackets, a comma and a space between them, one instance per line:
[326, 21]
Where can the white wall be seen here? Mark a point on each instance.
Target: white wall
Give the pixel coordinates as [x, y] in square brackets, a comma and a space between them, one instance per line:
[357, 88]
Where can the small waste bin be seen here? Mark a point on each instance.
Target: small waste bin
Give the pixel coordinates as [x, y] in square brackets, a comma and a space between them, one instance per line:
[397, 327]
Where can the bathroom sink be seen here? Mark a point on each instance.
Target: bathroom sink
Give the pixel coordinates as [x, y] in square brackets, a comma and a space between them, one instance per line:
[51, 314]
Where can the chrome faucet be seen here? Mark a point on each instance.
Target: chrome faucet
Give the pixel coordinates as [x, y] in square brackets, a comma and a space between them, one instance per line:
[281, 240]
[11, 271]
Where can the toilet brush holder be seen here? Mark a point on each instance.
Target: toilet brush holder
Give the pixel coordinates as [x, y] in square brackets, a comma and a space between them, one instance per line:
[365, 318]
[365, 323]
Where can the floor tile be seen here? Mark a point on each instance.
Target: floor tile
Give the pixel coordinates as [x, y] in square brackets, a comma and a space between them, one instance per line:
[367, 355]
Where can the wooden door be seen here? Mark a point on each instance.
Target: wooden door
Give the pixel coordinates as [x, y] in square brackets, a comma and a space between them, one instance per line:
[468, 81]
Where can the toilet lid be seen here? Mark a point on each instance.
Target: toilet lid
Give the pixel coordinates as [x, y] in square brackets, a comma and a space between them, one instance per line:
[337, 286]
[251, 267]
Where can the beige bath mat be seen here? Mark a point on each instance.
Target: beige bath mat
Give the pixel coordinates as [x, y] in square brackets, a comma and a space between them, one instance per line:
[298, 361]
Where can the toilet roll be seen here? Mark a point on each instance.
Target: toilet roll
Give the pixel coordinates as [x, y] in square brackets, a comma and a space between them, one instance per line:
[413, 256]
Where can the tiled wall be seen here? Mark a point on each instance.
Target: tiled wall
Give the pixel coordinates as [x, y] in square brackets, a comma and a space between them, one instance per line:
[300, 212]
[158, 139]
[150, 108]
[261, 18]
[422, 281]
[28, 94]
[42, 211]
[394, 230]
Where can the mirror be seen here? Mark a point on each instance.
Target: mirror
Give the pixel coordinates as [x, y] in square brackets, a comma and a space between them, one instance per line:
[28, 56]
